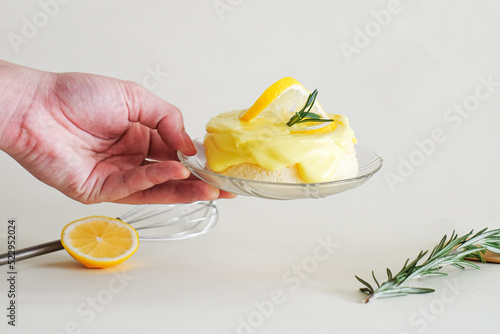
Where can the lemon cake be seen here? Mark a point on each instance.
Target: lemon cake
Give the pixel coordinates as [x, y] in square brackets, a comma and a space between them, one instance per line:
[284, 137]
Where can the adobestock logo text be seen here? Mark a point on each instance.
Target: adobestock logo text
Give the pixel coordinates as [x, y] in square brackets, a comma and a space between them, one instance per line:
[454, 117]
[31, 25]
[373, 28]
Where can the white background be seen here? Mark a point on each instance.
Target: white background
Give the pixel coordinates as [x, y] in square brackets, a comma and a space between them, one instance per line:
[409, 69]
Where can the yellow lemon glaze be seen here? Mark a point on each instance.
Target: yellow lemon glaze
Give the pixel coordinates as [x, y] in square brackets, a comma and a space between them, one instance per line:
[268, 142]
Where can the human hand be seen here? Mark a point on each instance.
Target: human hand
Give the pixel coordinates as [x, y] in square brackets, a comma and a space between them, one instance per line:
[94, 139]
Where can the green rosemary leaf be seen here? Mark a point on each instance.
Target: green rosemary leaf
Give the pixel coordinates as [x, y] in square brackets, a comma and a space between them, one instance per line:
[478, 233]
[459, 266]
[368, 286]
[492, 247]
[465, 253]
[436, 273]
[411, 290]
[312, 115]
[304, 120]
[389, 294]
[375, 279]
[469, 264]
[389, 275]
[310, 100]
[438, 247]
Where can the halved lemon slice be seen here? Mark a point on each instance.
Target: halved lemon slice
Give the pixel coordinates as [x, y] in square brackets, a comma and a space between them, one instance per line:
[100, 242]
[284, 97]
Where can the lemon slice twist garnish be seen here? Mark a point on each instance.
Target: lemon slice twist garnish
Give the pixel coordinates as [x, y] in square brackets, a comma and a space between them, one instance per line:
[281, 97]
[272, 93]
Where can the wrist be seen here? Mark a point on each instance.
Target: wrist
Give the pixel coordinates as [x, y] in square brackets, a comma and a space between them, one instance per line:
[19, 92]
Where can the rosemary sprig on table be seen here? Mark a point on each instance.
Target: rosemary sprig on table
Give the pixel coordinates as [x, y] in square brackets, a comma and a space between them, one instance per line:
[306, 115]
[447, 252]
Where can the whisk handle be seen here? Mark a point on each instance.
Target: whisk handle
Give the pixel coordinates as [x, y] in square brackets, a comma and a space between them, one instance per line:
[29, 252]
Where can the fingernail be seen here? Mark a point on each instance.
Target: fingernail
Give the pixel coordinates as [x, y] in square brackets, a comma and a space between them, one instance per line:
[228, 195]
[213, 194]
[184, 174]
[188, 143]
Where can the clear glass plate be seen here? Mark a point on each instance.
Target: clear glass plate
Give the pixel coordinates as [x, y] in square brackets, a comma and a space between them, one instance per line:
[369, 164]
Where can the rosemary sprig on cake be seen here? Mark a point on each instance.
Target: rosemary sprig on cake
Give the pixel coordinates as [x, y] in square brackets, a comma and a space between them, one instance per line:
[305, 114]
[454, 251]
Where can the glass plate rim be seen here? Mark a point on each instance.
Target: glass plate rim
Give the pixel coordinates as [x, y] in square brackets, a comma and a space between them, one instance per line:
[198, 141]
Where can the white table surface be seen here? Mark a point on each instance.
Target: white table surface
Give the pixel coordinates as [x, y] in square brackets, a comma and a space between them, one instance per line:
[260, 270]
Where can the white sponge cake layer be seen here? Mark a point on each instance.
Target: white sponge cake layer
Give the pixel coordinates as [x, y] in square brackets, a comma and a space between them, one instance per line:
[347, 168]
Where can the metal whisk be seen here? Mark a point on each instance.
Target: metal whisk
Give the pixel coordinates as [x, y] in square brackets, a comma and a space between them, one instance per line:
[156, 222]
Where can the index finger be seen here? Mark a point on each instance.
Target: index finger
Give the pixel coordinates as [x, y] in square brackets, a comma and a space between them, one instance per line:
[155, 113]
